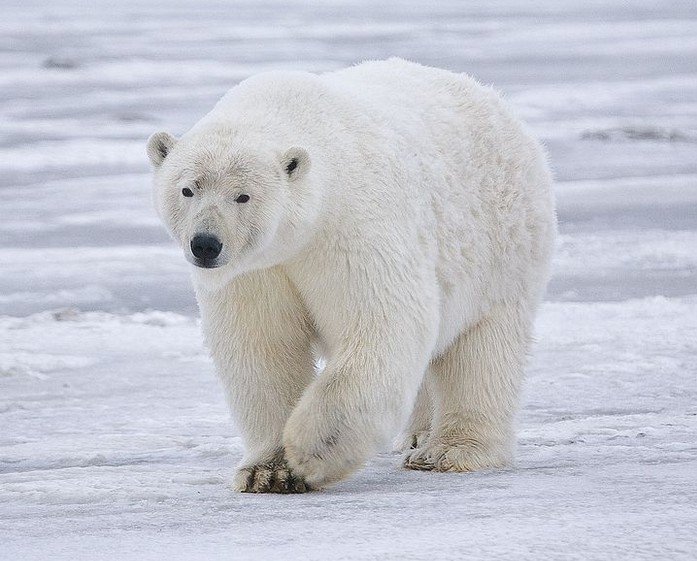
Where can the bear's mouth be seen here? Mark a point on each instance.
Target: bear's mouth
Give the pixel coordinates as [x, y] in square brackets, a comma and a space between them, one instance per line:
[206, 263]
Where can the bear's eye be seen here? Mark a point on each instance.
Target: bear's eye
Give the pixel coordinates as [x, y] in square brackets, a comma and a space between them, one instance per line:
[291, 166]
[187, 192]
[242, 199]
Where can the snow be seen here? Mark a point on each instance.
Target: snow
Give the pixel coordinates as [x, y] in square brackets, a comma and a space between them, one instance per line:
[115, 440]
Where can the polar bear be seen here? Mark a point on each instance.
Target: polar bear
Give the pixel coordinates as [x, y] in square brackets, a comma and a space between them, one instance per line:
[394, 220]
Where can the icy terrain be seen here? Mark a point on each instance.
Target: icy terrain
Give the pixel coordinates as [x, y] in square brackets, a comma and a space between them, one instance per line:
[114, 436]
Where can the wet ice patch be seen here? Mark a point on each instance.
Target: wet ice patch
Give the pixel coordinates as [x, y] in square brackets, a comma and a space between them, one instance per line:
[59, 63]
[640, 133]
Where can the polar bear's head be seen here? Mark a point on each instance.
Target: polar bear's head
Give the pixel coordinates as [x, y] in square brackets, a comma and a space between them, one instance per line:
[232, 204]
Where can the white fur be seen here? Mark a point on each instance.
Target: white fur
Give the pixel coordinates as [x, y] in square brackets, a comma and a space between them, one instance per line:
[411, 244]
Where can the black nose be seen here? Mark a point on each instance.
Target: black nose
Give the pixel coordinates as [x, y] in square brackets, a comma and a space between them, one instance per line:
[206, 247]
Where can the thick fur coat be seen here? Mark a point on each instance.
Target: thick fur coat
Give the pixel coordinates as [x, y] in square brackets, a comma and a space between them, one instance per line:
[394, 220]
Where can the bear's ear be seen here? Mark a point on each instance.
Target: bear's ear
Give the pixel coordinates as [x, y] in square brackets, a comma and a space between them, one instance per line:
[295, 163]
[159, 145]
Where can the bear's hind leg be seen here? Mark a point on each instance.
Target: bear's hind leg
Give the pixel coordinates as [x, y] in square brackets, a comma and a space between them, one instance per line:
[417, 430]
[475, 386]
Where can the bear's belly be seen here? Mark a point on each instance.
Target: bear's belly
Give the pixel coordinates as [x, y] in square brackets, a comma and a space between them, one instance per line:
[461, 307]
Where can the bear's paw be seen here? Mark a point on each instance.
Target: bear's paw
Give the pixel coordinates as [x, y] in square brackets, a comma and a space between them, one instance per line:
[468, 455]
[269, 477]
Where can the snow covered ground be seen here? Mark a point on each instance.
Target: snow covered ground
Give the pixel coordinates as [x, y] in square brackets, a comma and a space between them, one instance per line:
[114, 436]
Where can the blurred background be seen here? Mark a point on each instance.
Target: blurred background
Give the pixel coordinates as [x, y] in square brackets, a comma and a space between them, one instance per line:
[115, 440]
[610, 87]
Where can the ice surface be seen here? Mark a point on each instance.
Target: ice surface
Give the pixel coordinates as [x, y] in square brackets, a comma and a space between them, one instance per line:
[115, 441]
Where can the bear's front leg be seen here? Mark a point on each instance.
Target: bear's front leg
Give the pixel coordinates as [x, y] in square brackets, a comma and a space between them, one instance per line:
[350, 410]
[260, 339]
[364, 393]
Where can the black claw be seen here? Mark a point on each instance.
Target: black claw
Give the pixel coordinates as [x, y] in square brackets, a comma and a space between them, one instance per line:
[250, 480]
[281, 479]
[300, 486]
[276, 485]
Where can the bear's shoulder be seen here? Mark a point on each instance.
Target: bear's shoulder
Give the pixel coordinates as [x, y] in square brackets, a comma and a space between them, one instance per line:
[272, 90]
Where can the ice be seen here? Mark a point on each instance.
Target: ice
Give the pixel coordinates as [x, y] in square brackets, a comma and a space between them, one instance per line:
[115, 440]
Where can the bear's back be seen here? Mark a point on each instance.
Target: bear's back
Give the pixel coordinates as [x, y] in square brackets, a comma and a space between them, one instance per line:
[395, 91]
[399, 85]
